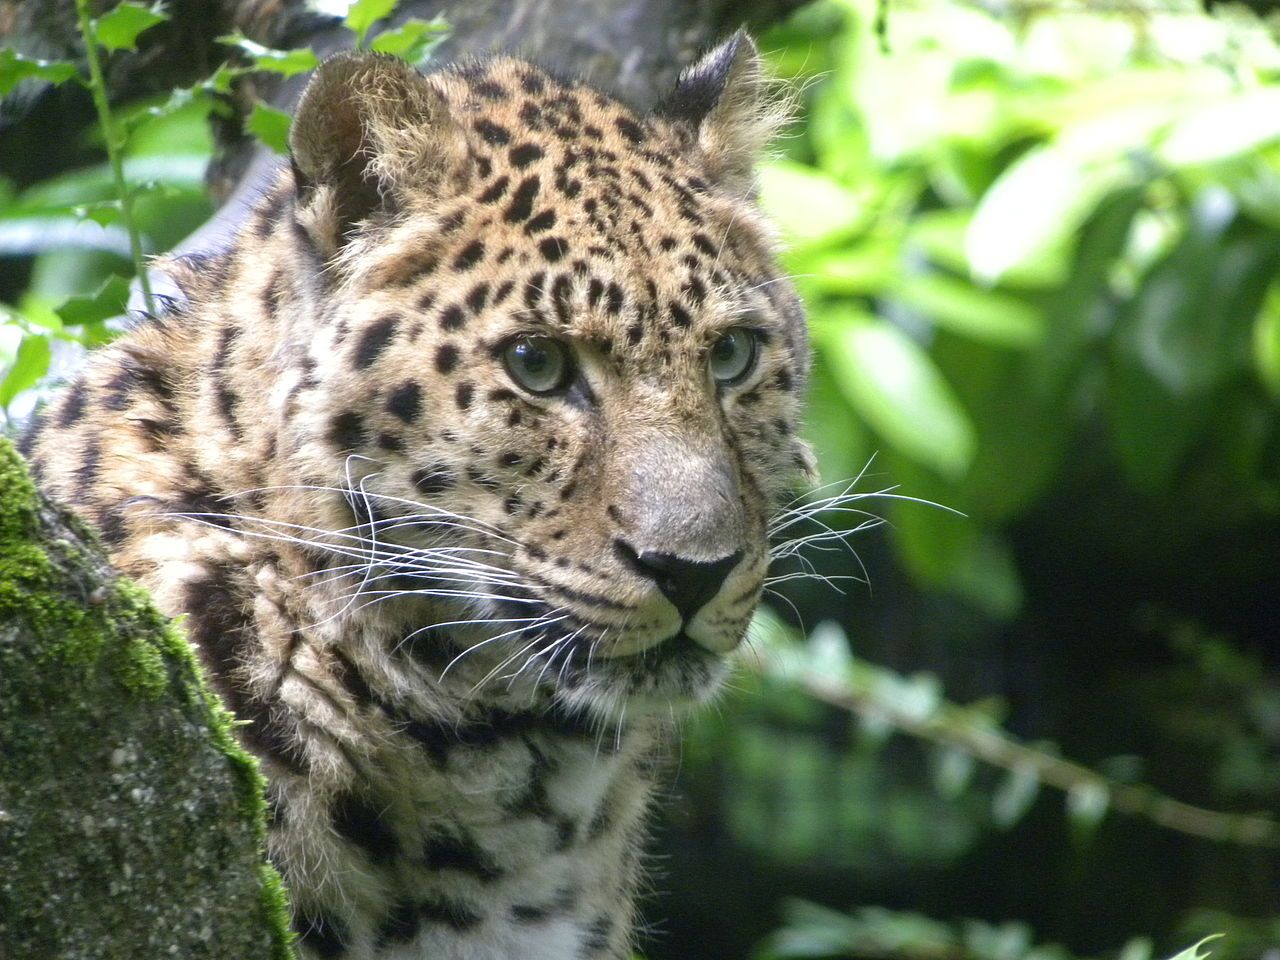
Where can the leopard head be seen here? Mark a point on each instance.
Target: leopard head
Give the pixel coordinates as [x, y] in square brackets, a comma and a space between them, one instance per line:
[554, 362]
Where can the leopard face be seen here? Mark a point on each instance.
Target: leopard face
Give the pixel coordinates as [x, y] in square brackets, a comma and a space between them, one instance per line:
[554, 359]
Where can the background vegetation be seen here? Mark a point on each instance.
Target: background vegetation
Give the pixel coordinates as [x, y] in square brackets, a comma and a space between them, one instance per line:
[1039, 241]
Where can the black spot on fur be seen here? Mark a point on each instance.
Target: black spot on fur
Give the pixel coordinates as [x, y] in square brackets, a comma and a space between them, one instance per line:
[554, 248]
[374, 339]
[453, 318]
[324, 935]
[400, 924]
[477, 297]
[346, 431]
[461, 853]
[680, 316]
[405, 401]
[432, 480]
[463, 395]
[359, 821]
[72, 408]
[525, 154]
[521, 205]
[497, 190]
[449, 912]
[543, 221]
[492, 133]
[391, 442]
[783, 379]
[447, 358]
[534, 289]
[489, 90]
[469, 256]
[631, 130]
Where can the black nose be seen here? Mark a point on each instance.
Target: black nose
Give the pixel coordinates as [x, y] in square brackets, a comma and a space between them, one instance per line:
[688, 584]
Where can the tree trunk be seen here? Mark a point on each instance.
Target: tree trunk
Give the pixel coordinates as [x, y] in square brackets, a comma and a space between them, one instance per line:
[131, 824]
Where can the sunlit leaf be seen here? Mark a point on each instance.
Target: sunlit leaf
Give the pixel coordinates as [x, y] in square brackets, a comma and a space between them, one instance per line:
[363, 14]
[1218, 131]
[269, 125]
[286, 63]
[103, 213]
[107, 301]
[29, 365]
[412, 41]
[14, 68]
[808, 205]
[990, 316]
[120, 27]
[895, 387]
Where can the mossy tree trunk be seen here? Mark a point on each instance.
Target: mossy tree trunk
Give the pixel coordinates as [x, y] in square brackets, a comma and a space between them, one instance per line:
[131, 824]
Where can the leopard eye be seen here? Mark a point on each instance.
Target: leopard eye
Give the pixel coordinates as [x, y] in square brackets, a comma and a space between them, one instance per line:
[538, 364]
[733, 356]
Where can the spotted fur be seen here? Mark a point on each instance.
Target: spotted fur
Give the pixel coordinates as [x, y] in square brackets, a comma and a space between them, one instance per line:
[429, 593]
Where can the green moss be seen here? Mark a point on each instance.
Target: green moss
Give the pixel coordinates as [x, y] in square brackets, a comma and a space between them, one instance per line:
[85, 617]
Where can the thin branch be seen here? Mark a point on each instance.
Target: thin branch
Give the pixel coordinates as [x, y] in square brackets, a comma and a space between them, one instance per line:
[972, 732]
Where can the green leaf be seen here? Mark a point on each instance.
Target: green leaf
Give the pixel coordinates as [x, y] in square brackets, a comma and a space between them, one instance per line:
[269, 125]
[1014, 797]
[1035, 207]
[807, 205]
[1266, 341]
[1194, 952]
[286, 63]
[1222, 130]
[895, 387]
[14, 68]
[413, 41]
[363, 14]
[119, 29]
[103, 213]
[107, 301]
[985, 315]
[30, 364]
[1087, 804]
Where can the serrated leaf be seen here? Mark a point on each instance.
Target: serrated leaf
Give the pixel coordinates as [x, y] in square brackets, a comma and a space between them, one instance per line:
[14, 68]
[107, 301]
[896, 388]
[286, 63]
[119, 29]
[412, 41]
[29, 365]
[363, 14]
[269, 125]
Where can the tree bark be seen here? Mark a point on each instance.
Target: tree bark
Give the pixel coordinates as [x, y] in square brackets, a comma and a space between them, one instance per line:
[131, 823]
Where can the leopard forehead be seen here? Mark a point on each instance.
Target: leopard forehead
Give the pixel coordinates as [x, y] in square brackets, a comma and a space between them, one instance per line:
[574, 207]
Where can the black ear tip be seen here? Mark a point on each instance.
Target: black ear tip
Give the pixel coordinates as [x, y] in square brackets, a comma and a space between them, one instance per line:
[703, 83]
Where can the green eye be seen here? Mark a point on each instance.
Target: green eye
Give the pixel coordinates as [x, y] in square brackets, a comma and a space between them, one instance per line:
[539, 364]
[734, 355]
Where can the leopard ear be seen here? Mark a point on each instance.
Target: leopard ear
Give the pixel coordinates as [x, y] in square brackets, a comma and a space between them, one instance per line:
[725, 101]
[365, 126]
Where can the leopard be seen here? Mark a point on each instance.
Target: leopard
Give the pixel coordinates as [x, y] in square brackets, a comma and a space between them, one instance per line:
[458, 462]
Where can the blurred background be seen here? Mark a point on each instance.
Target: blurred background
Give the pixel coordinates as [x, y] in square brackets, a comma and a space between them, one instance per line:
[1015, 694]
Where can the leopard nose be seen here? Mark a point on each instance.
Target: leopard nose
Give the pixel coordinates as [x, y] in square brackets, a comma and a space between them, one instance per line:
[688, 584]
